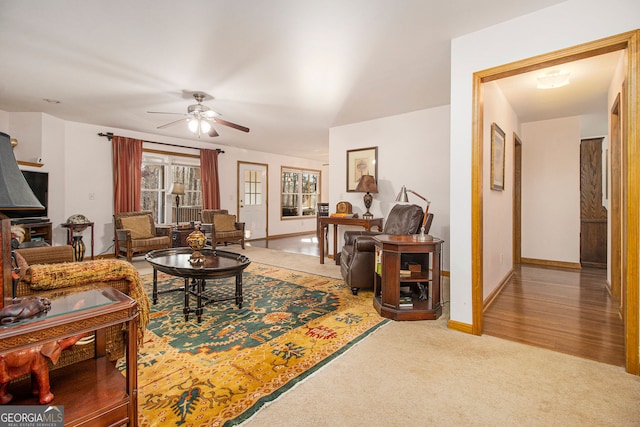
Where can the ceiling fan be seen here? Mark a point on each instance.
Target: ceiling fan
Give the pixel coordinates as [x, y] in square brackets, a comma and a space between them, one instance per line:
[200, 118]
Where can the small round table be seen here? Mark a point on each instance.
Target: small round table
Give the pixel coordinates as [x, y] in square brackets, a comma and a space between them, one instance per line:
[214, 264]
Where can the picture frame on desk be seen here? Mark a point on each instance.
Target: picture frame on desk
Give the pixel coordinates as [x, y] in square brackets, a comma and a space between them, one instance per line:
[363, 161]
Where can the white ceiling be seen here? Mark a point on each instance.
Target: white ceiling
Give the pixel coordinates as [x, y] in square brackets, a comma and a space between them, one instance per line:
[287, 69]
[586, 93]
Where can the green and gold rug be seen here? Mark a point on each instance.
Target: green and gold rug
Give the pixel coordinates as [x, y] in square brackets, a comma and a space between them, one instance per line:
[221, 371]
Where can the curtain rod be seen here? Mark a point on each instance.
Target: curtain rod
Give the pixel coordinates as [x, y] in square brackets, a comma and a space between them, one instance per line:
[110, 135]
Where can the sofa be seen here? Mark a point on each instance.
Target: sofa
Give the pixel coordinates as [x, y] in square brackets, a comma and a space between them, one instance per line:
[357, 256]
[45, 269]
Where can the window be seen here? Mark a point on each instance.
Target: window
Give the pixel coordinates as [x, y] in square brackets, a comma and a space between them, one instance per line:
[252, 188]
[299, 192]
[159, 172]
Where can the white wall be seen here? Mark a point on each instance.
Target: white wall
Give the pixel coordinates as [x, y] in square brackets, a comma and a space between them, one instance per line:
[551, 190]
[497, 205]
[413, 150]
[564, 25]
[81, 179]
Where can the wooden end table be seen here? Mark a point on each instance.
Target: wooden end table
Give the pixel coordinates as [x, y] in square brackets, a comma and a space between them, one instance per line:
[392, 254]
[93, 392]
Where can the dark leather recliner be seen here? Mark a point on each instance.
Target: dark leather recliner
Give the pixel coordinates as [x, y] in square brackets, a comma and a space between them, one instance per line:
[358, 253]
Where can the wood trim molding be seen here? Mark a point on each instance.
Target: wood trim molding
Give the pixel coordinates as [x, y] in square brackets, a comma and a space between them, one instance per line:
[32, 164]
[492, 296]
[460, 327]
[630, 185]
[550, 263]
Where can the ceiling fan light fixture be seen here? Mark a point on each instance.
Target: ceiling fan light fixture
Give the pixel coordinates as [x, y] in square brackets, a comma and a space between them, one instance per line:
[553, 79]
[205, 126]
[194, 124]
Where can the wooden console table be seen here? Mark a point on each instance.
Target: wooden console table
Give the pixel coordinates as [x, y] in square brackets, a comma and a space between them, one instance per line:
[324, 222]
[93, 392]
[392, 254]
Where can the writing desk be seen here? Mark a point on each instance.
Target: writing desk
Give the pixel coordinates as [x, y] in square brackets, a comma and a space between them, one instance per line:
[367, 223]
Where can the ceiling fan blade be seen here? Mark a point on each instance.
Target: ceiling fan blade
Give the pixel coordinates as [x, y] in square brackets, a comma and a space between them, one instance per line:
[213, 133]
[232, 125]
[163, 112]
[173, 123]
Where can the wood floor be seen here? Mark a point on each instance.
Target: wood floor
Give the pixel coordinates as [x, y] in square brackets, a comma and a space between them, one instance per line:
[558, 309]
[562, 310]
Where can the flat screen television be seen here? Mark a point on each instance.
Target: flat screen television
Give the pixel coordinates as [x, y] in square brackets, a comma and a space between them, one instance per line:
[39, 183]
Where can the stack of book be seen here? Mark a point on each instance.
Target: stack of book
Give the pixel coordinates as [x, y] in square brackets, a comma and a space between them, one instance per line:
[405, 302]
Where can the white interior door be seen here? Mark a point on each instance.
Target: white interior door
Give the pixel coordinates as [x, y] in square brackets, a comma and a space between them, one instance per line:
[252, 199]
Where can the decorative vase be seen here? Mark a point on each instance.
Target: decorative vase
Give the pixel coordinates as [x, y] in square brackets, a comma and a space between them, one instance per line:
[196, 241]
[78, 247]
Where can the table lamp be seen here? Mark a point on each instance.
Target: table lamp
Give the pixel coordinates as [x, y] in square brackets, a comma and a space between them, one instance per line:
[178, 189]
[403, 197]
[367, 184]
[15, 194]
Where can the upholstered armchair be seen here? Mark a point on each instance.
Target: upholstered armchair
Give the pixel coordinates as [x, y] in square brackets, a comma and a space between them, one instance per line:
[136, 232]
[221, 227]
[358, 253]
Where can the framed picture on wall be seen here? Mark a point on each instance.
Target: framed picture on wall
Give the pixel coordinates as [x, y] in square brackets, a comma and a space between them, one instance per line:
[363, 161]
[497, 157]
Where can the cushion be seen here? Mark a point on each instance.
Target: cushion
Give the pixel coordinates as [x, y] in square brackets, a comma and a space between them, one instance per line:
[139, 225]
[224, 222]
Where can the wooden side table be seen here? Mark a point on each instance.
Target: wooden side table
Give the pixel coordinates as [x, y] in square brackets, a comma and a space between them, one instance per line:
[93, 392]
[179, 236]
[393, 254]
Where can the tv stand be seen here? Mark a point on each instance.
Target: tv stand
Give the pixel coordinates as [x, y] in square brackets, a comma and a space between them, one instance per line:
[38, 230]
[20, 221]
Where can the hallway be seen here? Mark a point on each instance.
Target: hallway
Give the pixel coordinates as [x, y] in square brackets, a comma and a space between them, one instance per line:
[562, 310]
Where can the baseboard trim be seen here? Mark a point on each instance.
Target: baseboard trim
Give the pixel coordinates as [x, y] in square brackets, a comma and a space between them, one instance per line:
[492, 296]
[280, 236]
[460, 327]
[549, 263]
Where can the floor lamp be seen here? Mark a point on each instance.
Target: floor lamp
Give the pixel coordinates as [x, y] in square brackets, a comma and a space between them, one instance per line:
[15, 194]
[178, 189]
[403, 197]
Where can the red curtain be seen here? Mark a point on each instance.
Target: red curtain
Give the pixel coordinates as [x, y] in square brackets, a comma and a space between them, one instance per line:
[210, 182]
[127, 174]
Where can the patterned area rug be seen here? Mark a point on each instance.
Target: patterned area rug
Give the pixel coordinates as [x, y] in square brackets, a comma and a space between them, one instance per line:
[221, 371]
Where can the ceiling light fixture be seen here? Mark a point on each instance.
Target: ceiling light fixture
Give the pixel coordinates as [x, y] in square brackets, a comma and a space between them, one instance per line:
[553, 79]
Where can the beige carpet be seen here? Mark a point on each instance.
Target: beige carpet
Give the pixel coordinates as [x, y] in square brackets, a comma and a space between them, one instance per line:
[423, 374]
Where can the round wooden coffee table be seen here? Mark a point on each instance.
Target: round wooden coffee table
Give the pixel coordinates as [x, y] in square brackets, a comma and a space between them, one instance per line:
[214, 264]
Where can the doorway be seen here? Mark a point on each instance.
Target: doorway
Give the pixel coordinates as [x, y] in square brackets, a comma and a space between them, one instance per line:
[630, 208]
[253, 198]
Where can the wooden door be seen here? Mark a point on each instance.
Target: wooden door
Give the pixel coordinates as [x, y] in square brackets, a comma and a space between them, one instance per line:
[593, 216]
[517, 199]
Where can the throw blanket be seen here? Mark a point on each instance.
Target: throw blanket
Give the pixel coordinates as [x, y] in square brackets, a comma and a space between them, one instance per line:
[71, 274]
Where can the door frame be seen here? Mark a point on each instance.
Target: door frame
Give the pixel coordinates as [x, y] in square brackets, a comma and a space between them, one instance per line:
[239, 182]
[630, 185]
